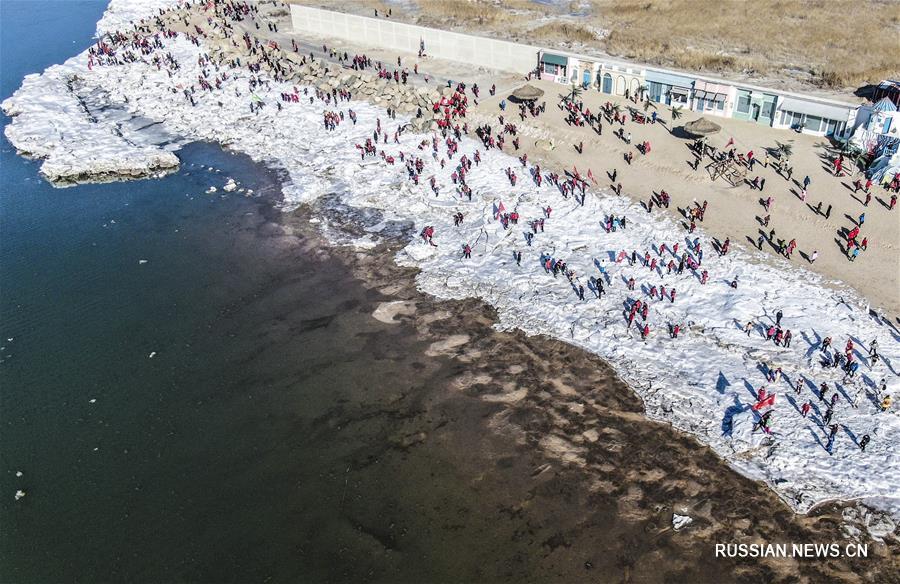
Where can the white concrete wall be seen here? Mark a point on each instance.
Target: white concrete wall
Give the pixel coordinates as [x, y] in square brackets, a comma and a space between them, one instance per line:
[478, 51]
[387, 34]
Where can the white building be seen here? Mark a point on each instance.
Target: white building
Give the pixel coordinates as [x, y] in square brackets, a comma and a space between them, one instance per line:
[820, 117]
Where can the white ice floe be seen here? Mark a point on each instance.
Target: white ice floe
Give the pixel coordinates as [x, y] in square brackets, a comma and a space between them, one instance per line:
[50, 122]
[680, 521]
[121, 14]
[53, 121]
[703, 383]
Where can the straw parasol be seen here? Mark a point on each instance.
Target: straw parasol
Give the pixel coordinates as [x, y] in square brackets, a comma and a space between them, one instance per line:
[702, 127]
[527, 93]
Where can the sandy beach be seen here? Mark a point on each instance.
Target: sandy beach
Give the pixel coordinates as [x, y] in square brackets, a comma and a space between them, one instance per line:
[735, 212]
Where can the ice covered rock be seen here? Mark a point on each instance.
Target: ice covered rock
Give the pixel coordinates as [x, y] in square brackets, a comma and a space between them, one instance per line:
[680, 521]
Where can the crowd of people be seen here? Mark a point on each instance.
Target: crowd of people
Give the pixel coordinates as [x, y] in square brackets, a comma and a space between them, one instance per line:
[262, 66]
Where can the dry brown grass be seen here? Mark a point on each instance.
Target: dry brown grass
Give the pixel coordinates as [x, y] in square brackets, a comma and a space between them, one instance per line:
[831, 43]
[839, 43]
[361, 7]
[456, 12]
[562, 32]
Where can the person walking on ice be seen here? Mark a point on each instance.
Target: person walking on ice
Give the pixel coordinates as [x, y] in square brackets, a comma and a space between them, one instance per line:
[832, 432]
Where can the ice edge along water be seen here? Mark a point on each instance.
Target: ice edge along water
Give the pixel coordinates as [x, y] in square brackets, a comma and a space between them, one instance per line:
[702, 383]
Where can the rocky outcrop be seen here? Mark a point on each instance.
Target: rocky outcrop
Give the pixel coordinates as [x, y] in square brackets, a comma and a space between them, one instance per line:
[416, 101]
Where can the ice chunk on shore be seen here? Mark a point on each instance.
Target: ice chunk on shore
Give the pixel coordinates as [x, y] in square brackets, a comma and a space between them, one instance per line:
[49, 122]
[680, 521]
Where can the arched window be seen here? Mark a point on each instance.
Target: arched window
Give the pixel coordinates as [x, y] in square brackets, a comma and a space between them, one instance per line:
[620, 85]
[607, 83]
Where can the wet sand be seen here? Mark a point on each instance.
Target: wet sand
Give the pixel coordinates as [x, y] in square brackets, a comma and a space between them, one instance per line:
[563, 477]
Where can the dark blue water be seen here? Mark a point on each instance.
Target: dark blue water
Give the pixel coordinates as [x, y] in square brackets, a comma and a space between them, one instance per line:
[216, 459]
[278, 432]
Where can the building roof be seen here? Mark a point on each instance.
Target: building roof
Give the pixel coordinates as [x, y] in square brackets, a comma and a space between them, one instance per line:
[812, 108]
[884, 105]
[554, 59]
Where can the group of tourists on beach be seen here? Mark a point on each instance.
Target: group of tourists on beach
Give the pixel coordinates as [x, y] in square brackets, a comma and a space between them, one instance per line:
[263, 65]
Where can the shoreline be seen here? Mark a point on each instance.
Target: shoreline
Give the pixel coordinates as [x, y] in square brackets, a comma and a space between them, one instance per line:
[529, 408]
[309, 191]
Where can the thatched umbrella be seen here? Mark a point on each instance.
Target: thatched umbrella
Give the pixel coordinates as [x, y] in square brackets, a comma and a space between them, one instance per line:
[702, 127]
[527, 93]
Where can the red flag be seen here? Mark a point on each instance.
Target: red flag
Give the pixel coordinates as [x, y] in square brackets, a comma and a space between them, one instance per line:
[764, 403]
